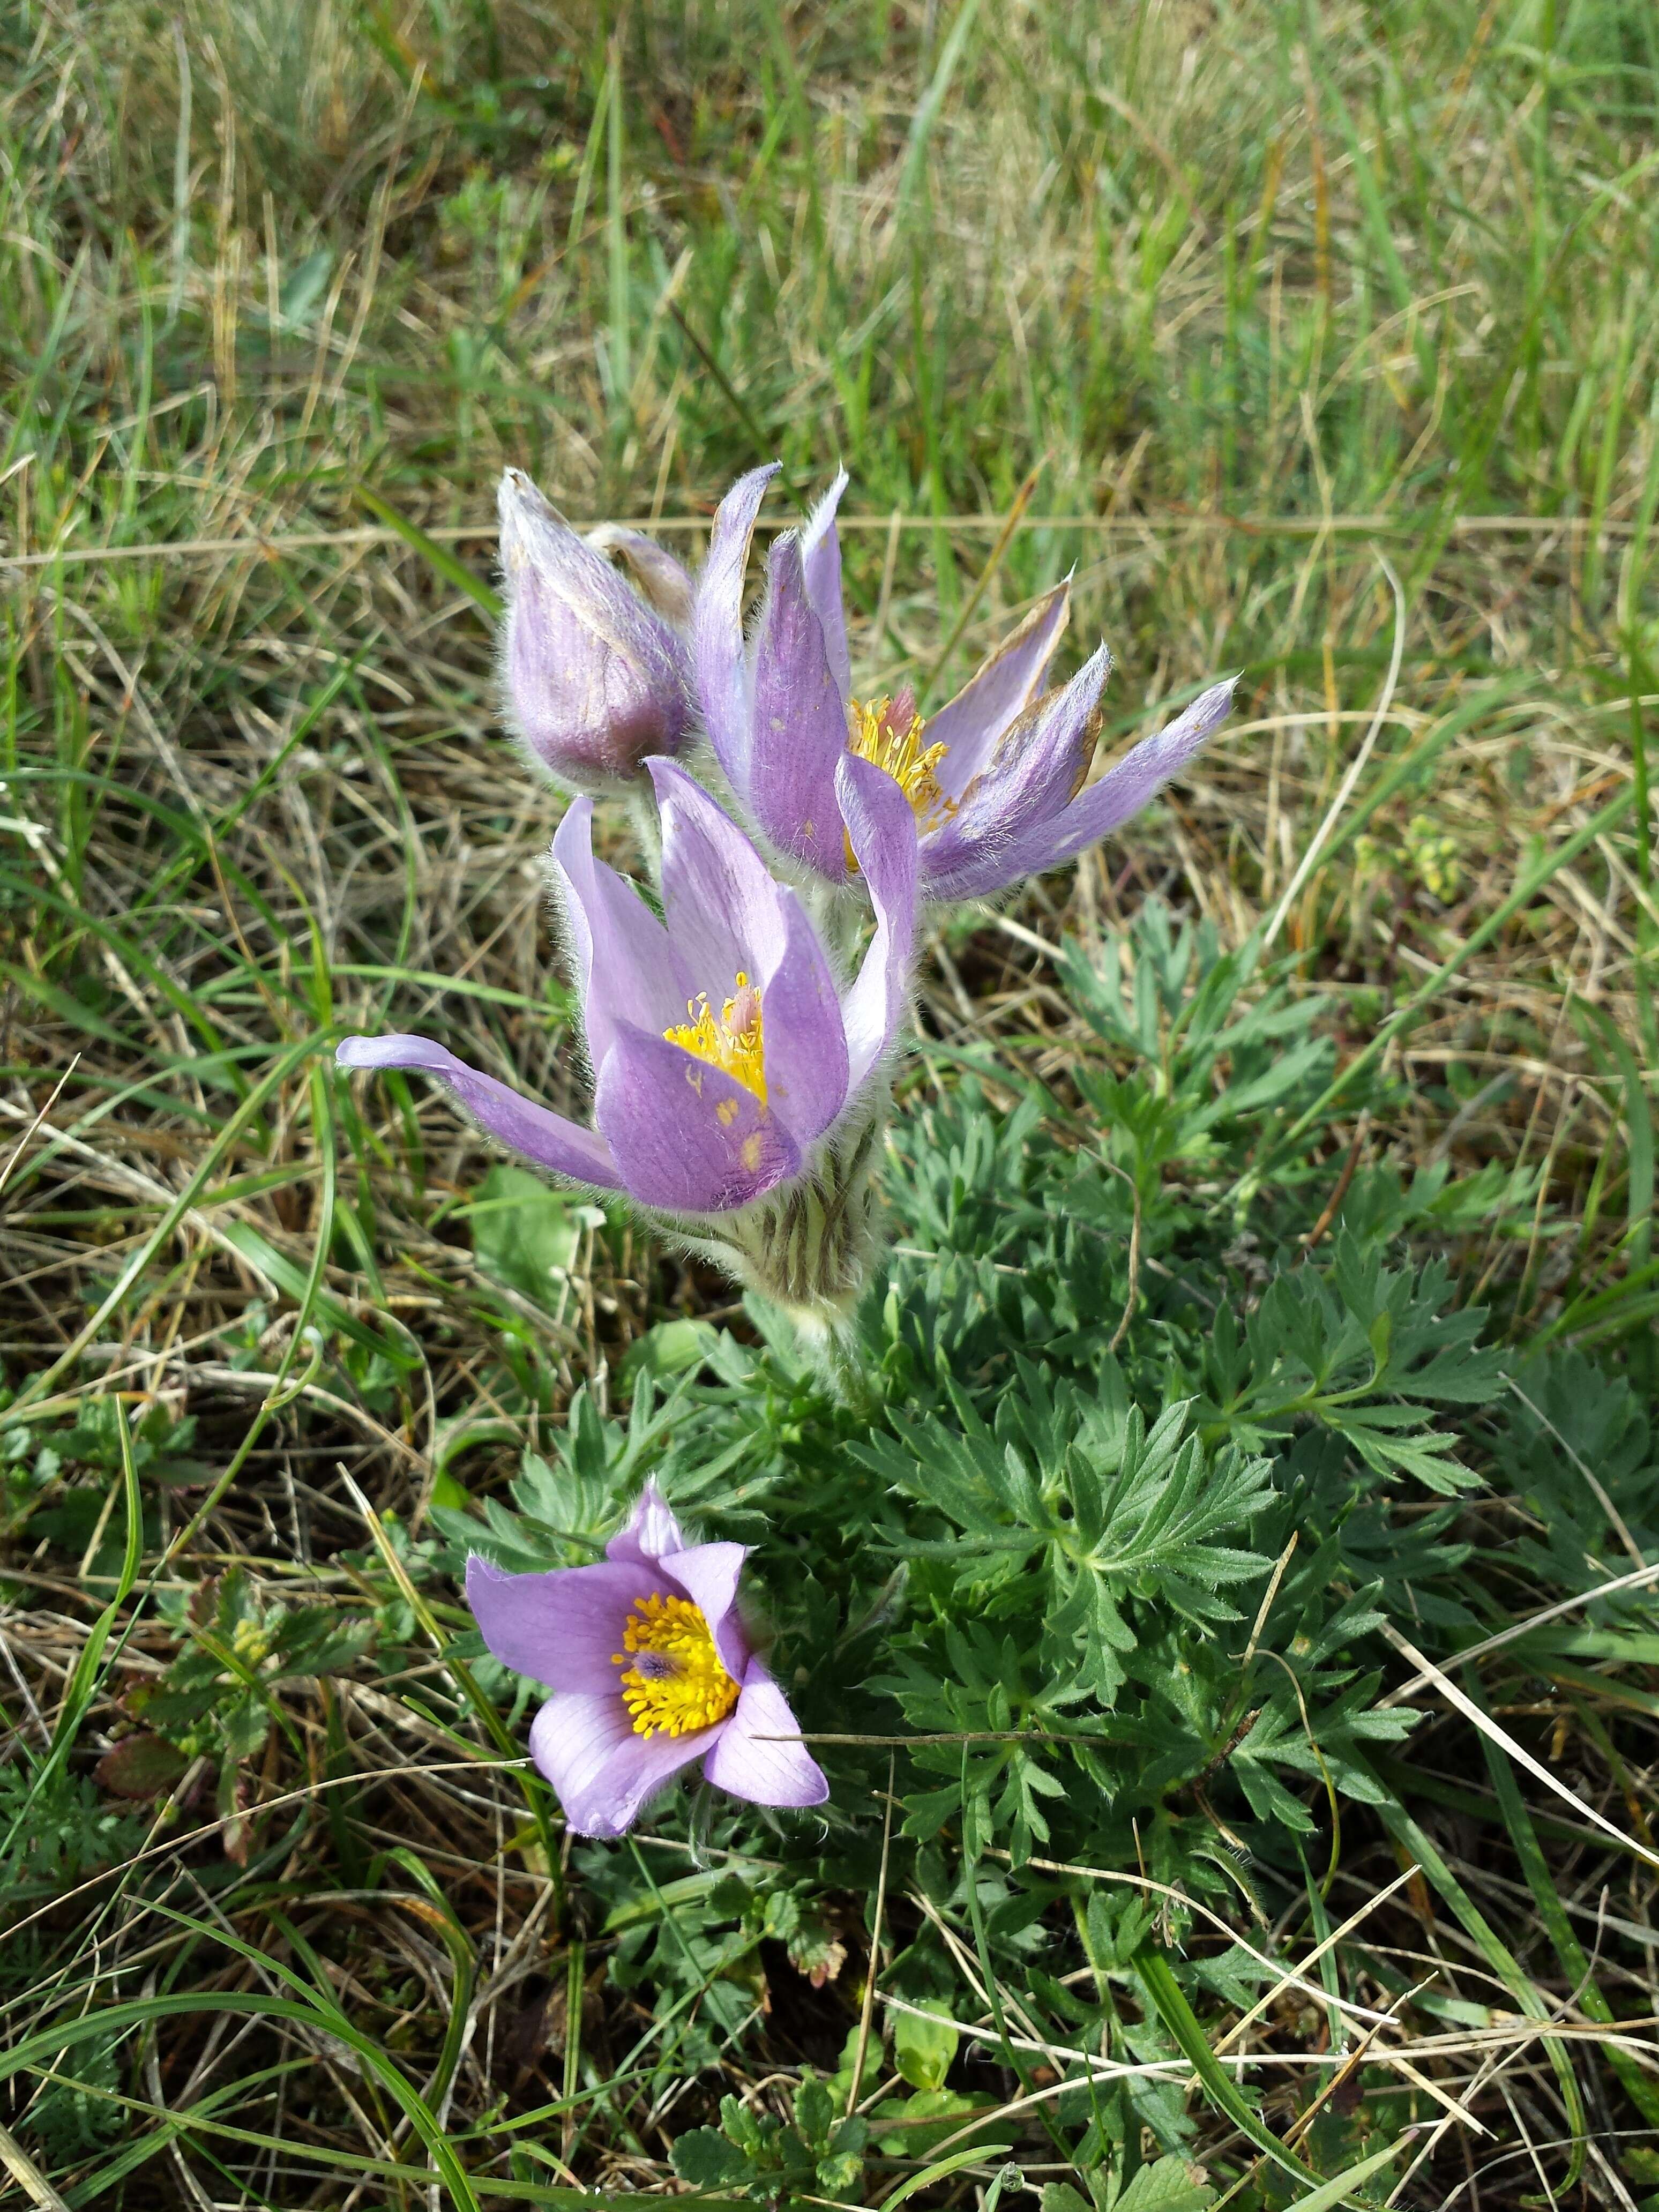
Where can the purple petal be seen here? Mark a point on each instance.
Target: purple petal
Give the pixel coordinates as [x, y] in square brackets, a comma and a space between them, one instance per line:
[563, 1627]
[662, 579]
[602, 1770]
[882, 826]
[799, 723]
[685, 1136]
[744, 1764]
[724, 908]
[627, 968]
[652, 1529]
[1034, 773]
[1000, 689]
[537, 539]
[820, 552]
[540, 1135]
[596, 679]
[719, 657]
[807, 1071]
[727, 914]
[708, 1573]
[1121, 793]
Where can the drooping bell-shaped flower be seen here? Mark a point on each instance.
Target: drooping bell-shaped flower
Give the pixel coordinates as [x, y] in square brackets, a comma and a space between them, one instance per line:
[651, 1668]
[595, 667]
[734, 1091]
[996, 779]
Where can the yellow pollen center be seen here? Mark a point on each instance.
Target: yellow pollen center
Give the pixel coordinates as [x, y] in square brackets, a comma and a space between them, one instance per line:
[732, 1041]
[889, 732]
[675, 1682]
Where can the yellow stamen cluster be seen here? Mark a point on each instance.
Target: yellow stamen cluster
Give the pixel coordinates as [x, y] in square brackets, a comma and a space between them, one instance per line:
[682, 1685]
[890, 734]
[732, 1041]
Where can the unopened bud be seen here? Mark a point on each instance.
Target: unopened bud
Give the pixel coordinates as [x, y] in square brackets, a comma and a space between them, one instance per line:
[596, 672]
[665, 582]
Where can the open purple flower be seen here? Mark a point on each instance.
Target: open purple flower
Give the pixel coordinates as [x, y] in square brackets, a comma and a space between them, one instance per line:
[995, 779]
[595, 667]
[723, 1050]
[650, 1668]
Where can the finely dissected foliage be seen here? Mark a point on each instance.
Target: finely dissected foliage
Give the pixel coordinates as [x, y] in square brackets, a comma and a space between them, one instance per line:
[1270, 1291]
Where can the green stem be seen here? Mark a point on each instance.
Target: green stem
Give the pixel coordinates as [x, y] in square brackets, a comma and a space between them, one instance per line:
[643, 812]
[832, 1348]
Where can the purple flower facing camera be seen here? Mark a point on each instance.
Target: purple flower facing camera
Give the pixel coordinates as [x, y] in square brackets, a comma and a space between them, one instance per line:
[651, 1670]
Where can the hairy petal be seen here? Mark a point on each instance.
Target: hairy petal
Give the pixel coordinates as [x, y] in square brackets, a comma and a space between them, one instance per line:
[605, 1772]
[627, 968]
[562, 1627]
[807, 1071]
[708, 1573]
[596, 678]
[799, 723]
[720, 658]
[1038, 766]
[659, 577]
[652, 1528]
[745, 1763]
[726, 914]
[724, 908]
[882, 826]
[685, 1136]
[998, 692]
[538, 1134]
[1094, 813]
[820, 549]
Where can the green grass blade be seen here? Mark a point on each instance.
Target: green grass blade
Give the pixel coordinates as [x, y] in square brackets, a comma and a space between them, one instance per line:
[437, 558]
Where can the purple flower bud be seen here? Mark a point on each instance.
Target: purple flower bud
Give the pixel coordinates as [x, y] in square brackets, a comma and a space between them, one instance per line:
[650, 1668]
[596, 672]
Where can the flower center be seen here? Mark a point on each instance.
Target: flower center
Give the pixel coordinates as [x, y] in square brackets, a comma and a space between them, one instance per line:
[675, 1681]
[732, 1039]
[889, 732]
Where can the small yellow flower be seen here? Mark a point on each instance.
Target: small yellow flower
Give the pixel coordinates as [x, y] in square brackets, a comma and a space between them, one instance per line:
[1434, 858]
[252, 1645]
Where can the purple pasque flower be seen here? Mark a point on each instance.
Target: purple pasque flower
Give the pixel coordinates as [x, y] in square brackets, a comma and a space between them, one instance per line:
[594, 668]
[995, 779]
[650, 1668]
[724, 1050]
